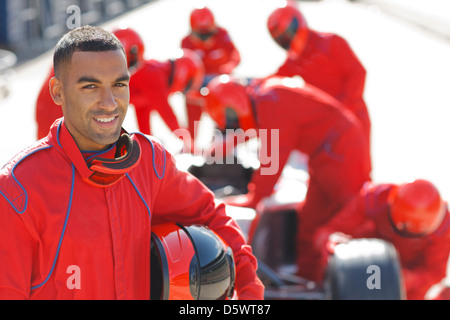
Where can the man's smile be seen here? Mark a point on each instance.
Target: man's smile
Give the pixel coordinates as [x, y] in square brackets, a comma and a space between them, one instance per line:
[106, 122]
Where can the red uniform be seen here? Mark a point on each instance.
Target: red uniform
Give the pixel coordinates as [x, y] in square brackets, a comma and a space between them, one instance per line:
[56, 226]
[423, 259]
[149, 91]
[219, 56]
[314, 123]
[328, 62]
[218, 53]
[46, 109]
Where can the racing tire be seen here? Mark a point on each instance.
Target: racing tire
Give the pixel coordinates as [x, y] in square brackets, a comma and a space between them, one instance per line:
[364, 269]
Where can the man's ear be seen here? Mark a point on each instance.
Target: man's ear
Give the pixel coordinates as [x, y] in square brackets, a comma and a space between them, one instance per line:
[55, 87]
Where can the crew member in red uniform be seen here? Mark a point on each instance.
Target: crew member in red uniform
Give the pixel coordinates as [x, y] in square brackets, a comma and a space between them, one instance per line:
[217, 51]
[155, 81]
[152, 83]
[46, 109]
[77, 207]
[324, 60]
[412, 216]
[305, 119]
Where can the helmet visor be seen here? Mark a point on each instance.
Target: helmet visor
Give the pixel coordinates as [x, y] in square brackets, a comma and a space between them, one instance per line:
[212, 272]
[286, 37]
[203, 35]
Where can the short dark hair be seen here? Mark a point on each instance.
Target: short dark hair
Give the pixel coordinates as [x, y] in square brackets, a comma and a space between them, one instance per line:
[85, 38]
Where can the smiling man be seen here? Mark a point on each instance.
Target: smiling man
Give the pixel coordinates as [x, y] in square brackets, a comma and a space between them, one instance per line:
[77, 207]
[93, 93]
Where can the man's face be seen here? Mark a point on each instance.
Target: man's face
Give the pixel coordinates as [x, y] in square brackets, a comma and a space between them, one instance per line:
[94, 94]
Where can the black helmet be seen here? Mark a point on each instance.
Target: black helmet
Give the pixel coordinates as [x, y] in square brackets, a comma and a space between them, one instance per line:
[190, 262]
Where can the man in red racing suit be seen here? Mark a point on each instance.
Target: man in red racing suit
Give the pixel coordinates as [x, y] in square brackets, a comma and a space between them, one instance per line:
[374, 213]
[324, 60]
[77, 207]
[217, 51]
[155, 81]
[53, 220]
[307, 120]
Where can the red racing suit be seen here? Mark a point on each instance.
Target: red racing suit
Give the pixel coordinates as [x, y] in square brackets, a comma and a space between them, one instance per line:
[149, 91]
[219, 56]
[218, 53]
[315, 124]
[423, 260]
[328, 63]
[54, 222]
[46, 109]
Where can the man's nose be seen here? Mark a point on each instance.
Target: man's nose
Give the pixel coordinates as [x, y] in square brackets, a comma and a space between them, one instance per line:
[108, 99]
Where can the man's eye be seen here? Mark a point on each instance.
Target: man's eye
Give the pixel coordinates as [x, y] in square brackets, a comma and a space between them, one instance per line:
[121, 84]
[89, 86]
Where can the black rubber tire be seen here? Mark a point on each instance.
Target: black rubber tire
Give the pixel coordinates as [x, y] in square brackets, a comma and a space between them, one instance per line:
[364, 269]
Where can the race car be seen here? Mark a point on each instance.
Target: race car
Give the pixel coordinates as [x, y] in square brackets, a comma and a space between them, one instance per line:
[360, 269]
